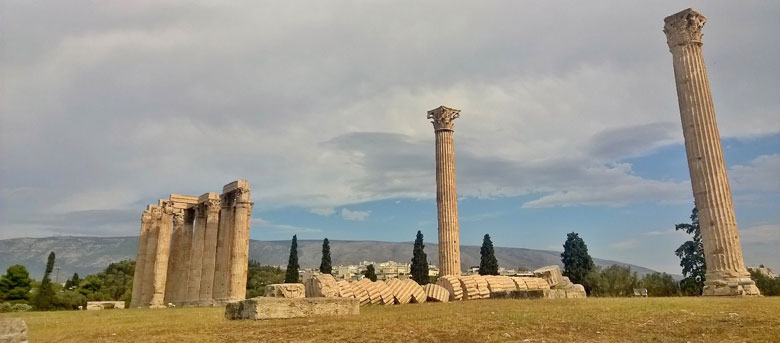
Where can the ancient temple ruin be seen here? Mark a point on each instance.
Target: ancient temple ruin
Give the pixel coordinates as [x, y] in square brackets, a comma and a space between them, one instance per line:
[194, 250]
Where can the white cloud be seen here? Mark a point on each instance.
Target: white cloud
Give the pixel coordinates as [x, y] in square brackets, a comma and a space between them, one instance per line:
[761, 174]
[323, 211]
[268, 227]
[354, 215]
[625, 244]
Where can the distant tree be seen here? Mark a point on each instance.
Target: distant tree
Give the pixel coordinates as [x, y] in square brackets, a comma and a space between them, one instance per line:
[292, 265]
[73, 281]
[577, 263]
[115, 283]
[325, 264]
[44, 298]
[488, 265]
[660, 285]
[259, 276]
[691, 254]
[15, 284]
[613, 281]
[767, 285]
[419, 268]
[370, 273]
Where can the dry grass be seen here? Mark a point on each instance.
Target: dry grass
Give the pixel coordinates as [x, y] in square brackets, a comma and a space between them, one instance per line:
[603, 320]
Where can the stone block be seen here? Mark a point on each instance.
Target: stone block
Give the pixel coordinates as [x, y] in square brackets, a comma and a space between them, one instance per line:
[436, 293]
[576, 291]
[525, 294]
[322, 286]
[278, 308]
[105, 305]
[551, 274]
[498, 283]
[556, 294]
[13, 330]
[285, 290]
[452, 285]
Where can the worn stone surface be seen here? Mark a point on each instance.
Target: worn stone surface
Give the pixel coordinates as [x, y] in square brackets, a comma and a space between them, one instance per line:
[322, 286]
[418, 293]
[710, 183]
[345, 289]
[285, 290]
[241, 201]
[13, 330]
[556, 294]
[576, 291]
[470, 289]
[482, 286]
[140, 260]
[519, 294]
[279, 308]
[402, 292]
[499, 283]
[105, 305]
[531, 283]
[446, 192]
[452, 284]
[436, 293]
[551, 274]
[360, 290]
[211, 206]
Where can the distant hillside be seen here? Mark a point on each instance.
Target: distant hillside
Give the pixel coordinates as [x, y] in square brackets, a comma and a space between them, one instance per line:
[87, 255]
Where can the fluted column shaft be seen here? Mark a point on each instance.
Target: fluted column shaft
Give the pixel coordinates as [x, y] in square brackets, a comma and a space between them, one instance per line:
[711, 190]
[162, 254]
[147, 290]
[239, 252]
[185, 247]
[224, 244]
[446, 192]
[174, 260]
[212, 208]
[140, 260]
[196, 255]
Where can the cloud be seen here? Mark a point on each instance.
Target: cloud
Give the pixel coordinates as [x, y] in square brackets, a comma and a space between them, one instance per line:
[354, 215]
[268, 227]
[323, 211]
[327, 107]
[761, 174]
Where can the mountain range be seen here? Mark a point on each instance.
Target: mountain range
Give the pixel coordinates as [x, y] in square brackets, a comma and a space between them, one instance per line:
[88, 255]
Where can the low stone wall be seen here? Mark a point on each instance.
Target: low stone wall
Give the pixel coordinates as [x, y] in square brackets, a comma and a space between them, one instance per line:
[13, 330]
[279, 308]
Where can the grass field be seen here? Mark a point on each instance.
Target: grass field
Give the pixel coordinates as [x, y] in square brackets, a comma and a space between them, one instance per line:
[603, 320]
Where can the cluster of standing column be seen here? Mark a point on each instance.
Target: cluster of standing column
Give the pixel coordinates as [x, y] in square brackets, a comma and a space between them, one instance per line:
[194, 250]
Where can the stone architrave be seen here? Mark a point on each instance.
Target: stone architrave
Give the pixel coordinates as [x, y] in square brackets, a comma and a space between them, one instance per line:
[173, 278]
[155, 221]
[211, 205]
[162, 253]
[140, 259]
[436, 293]
[726, 272]
[446, 192]
[196, 254]
[239, 250]
[278, 308]
[222, 264]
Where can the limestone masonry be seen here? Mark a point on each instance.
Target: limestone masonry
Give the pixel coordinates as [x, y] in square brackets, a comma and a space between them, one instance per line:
[194, 250]
[446, 193]
[726, 272]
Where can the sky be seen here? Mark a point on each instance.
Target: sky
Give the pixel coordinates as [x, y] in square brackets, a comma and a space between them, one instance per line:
[569, 118]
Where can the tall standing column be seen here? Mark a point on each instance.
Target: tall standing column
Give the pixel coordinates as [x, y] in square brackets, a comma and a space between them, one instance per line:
[726, 272]
[162, 253]
[174, 260]
[446, 193]
[147, 290]
[212, 204]
[196, 254]
[140, 259]
[184, 264]
[224, 244]
[239, 252]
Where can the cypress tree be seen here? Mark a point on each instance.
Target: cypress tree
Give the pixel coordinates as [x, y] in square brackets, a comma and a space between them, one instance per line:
[325, 265]
[44, 299]
[488, 265]
[370, 272]
[419, 267]
[292, 266]
[577, 263]
[73, 281]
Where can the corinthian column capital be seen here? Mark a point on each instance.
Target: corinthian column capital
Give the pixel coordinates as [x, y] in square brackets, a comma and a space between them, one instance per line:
[443, 117]
[684, 28]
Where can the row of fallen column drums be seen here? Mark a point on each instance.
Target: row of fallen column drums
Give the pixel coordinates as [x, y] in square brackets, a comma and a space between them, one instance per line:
[447, 288]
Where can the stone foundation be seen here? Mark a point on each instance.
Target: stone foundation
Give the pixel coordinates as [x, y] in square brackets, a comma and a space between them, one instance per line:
[13, 330]
[279, 308]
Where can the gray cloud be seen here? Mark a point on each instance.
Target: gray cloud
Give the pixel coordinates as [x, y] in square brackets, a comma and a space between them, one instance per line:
[109, 106]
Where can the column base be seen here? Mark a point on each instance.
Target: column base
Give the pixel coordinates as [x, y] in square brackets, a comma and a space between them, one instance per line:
[731, 288]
